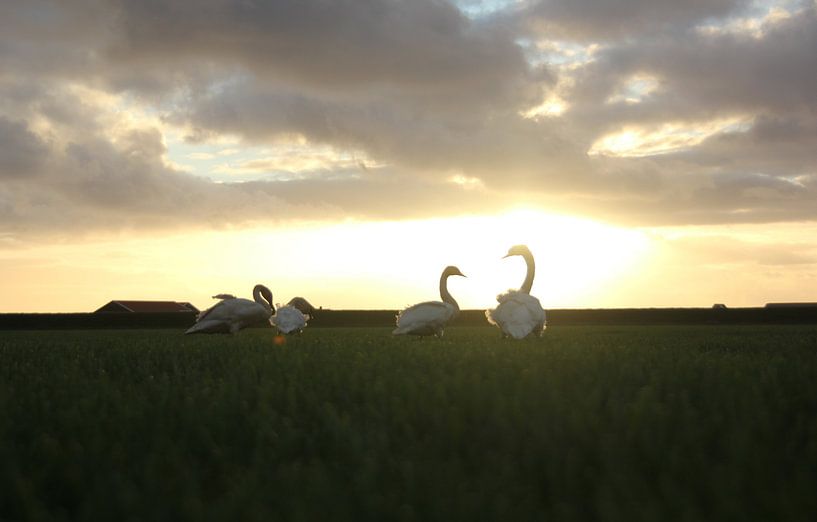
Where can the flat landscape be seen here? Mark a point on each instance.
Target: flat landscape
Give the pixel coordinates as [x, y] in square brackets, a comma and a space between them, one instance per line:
[588, 423]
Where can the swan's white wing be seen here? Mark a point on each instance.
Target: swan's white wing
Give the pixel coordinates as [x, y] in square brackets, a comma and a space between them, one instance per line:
[289, 319]
[425, 318]
[230, 315]
[518, 314]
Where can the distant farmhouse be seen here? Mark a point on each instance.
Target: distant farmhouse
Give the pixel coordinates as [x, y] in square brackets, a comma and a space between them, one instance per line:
[146, 307]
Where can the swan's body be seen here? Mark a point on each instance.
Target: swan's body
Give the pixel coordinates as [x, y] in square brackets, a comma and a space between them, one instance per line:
[430, 318]
[289, 319]
[519, 314]
[232, 314]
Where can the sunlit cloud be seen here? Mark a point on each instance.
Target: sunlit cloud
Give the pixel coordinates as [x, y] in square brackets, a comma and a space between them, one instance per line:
[553, 106]
[483, 8]
[298, 158]
[635, 89]
[666, 138]
[756, 26]
[566, 55]
[470, 183]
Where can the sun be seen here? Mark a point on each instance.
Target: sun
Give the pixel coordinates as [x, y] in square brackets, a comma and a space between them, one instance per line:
[392, 264]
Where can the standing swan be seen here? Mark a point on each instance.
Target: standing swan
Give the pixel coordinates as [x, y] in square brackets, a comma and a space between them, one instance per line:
[231, 314]
[519, 313]
[289, 319]
[430, 318]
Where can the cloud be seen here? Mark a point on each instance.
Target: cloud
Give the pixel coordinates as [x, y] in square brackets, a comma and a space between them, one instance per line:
[593, 21]
[113, 176]
[22, 150]
[426, 94]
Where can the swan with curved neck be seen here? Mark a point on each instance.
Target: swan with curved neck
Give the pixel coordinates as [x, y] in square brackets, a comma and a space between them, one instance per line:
[519, 314]
[445, 295]
[524, 251]
[430, 318]
[232, 314]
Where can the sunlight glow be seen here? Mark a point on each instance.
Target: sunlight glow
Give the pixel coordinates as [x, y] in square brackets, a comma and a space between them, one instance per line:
[387, 265]
[351, 265]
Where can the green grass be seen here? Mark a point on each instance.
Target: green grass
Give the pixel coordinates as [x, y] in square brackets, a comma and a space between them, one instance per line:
[606, 423]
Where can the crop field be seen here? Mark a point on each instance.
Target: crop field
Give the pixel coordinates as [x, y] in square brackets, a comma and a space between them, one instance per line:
[588, 423]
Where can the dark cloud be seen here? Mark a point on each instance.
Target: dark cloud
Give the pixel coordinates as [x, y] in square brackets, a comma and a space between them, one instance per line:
[614, 19]
[21, 151]
[421, 48]
[704, 75]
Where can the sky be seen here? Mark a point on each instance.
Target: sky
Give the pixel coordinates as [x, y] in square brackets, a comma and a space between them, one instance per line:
[650, 152]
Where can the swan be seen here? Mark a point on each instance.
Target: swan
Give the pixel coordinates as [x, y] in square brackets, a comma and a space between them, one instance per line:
[289, 319]
[430, 318]
[519, 313]
[231, 313]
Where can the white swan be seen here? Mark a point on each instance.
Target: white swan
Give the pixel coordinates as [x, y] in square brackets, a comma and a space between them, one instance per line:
[430, 318]
[231, 314]
[289, 319]
[519, 314]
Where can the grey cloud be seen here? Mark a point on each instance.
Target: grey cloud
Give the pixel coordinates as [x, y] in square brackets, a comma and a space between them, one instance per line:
[706, 76]
[755, 174]
[21, 151]
[784, 146]
[499, 147]
[93, 182]
[51, 39]
[613, 19]
[422, 47]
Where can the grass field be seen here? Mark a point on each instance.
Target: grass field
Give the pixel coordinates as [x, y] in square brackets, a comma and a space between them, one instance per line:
[588, 423]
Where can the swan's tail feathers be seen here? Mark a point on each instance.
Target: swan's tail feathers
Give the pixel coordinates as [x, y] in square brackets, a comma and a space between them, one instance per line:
[193, 329]
[489, 317]
[207, 327]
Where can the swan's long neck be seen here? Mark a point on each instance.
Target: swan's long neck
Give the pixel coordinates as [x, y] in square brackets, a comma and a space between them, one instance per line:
[528, 283]
[444, 294]
[260, 299]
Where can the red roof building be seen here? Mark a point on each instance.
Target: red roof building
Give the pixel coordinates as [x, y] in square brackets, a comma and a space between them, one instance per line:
[147, 307]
